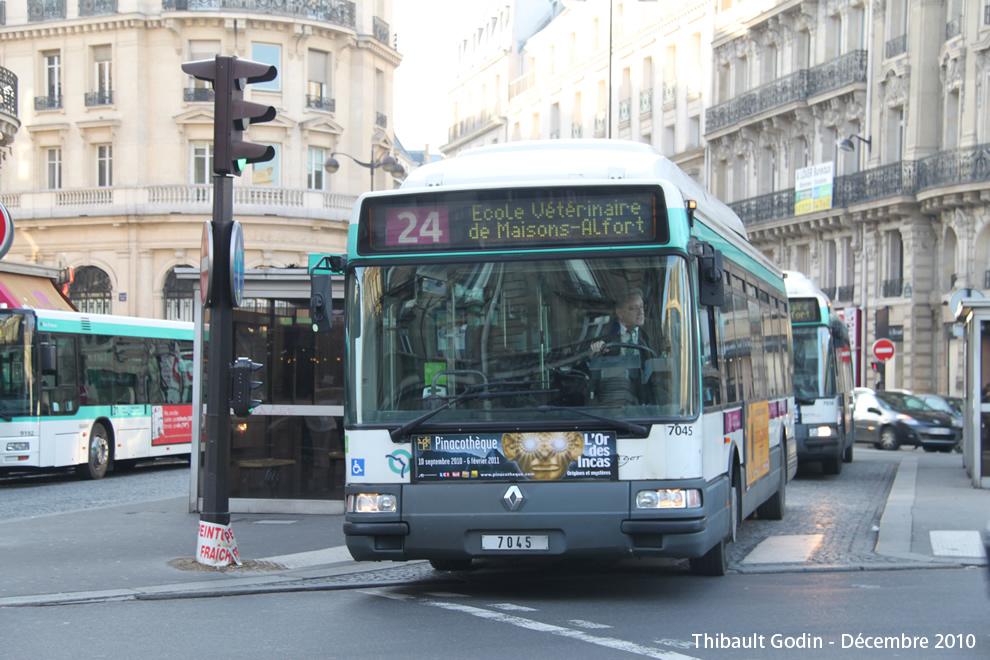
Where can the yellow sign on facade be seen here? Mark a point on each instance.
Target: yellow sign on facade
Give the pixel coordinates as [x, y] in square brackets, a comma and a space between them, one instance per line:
[757, 441]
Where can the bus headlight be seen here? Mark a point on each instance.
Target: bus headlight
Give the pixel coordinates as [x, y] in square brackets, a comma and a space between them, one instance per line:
[18, 446]
[669, 498]
[821, 432]
[371, 503]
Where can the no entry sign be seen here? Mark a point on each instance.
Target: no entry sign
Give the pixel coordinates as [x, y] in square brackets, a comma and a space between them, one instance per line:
[883, 349]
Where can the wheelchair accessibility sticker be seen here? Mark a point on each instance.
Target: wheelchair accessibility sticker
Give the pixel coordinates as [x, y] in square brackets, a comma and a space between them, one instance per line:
[357, 467]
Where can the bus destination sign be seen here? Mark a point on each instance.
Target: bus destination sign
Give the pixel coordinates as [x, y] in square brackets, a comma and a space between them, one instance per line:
[513, 218]
[804, 310]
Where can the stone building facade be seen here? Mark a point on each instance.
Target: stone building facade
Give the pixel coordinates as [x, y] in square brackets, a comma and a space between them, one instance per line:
[111, 173]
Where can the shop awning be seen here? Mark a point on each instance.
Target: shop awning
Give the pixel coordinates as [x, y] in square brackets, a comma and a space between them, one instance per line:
[29, 292]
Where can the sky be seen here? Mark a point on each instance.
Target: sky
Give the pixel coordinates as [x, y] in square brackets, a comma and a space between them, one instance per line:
[427, 32]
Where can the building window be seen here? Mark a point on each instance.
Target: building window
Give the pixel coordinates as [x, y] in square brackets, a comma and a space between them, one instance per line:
[104, 165]
[178, 296]
[315, 176]
[268, 54]
[202, 162]
[52, 84]
[90, 290]
[267, 173]
[103, 73]
[318, 85]
[895, 134]
[54, 159]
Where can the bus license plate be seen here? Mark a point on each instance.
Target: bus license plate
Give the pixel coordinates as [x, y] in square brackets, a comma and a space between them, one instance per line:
[519, 542]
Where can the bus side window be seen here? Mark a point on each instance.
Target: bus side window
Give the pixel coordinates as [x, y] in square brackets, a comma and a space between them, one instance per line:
[711, 387]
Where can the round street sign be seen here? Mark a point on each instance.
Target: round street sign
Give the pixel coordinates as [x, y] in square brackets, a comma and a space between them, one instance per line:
[883, 349]
[6, 230]
[206, 263]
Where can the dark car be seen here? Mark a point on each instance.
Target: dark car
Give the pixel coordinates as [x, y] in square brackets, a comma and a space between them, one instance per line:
[892, 419]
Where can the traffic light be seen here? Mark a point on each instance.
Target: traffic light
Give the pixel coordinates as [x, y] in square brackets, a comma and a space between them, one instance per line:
[320, 303]
[232, 114]
[243, 386]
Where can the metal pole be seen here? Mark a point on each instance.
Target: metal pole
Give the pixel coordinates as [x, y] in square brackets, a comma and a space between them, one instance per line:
[371, 165]
[216, 491]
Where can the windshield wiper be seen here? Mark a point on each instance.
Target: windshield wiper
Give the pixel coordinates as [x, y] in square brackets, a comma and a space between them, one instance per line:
[479, 391]
[631, 427]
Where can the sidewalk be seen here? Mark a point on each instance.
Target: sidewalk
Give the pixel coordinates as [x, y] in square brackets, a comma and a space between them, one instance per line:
[932, 517]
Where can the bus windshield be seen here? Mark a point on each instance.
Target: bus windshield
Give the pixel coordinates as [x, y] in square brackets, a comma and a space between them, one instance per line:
[15, 381]
[814, 371]
[524, 340]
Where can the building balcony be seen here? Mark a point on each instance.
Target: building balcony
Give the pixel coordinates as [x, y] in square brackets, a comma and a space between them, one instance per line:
[843, 70]
[646, 102]
[48, 102]
[894, 47]
[198, 95]
[320, 103]
[9, 123]
[381, 121]
[953, 167]
[335, 12]
[97, 7]
[625, 111]
[476, 122]
[99, 98]
[599, 124]
[40, 11]
[522, 83]
[380, 29]
[892, 288]
[669, 92]
[575, 130]
[35, 208]
[765, 97]
[953, 28]
[764, 208]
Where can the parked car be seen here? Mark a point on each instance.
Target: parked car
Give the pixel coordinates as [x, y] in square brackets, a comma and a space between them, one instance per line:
[891, 419]
[949, 404]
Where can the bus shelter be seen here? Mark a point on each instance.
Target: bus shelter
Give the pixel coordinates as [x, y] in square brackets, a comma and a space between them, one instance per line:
[974, 313]
[288, 455]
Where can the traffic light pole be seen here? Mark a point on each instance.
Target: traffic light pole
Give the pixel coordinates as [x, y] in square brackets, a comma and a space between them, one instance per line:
[216, 498]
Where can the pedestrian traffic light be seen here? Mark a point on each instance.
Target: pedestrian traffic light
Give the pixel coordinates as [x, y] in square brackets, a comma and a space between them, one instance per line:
[243, 386]
[232, 114]
[320, 302]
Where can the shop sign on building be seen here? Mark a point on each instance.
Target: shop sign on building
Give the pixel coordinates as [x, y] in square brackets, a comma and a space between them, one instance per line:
[813, 188]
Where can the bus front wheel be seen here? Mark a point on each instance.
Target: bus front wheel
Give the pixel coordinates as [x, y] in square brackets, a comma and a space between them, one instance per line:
[715, 562]
[98, 456]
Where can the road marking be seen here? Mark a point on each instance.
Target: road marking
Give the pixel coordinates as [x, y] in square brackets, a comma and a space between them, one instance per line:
[509, 607]
[381, 593]
[792, 549]
[676, 643]
[956, 544]
[587, 624]
[529, 624]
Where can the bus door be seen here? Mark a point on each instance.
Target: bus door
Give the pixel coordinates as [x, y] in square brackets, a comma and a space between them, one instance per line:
[60, 377]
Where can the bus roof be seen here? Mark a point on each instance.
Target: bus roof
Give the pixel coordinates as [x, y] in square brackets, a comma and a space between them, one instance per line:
[566, 162]
[800, 285]
[108, 324]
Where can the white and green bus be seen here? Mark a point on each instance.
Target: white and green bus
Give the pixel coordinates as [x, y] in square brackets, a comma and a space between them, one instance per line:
[494, 406]
[823, 376]
[92, 390]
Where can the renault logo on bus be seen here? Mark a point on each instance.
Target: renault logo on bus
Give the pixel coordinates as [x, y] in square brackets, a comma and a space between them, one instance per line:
[513, 498]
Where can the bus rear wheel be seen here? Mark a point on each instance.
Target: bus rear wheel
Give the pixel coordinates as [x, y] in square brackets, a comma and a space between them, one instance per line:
[98, 456]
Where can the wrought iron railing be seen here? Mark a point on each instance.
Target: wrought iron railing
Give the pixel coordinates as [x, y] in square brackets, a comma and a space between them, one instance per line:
[843, 70]
[599, 124]
[575, 130]
[953, 28]
[986, 18]
[46, 10]
[892, 288]
[765, 97]
[381, 120]
[669, 92]
[381, 30]
[763, 208]
[97, 7]
[986, 279]
[646, 101]
[321, 103]
[522, 83]
[896, 46]
[8, 92]
[965, 165]
[48, 102]
[198, 95]
[555, 135]
[845, 293]
[900, 178]
[475, 122]
[625, 110]
[3, 12]
[99, 98]
[337, 12]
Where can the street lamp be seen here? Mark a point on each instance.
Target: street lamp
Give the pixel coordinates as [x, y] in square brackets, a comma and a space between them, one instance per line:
[386, 162]
[846, 144]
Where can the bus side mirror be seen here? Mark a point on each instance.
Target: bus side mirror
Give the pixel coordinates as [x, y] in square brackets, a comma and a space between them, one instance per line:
[711, 277]
[321, 303]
